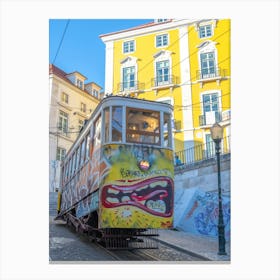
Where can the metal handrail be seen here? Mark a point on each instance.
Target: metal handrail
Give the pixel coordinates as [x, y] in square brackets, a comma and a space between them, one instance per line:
[202, 152]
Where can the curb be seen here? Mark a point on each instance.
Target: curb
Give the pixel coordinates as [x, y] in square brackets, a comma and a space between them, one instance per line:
[193, 254]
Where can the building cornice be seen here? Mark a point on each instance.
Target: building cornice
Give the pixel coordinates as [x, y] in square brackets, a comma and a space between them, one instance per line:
[144, 30]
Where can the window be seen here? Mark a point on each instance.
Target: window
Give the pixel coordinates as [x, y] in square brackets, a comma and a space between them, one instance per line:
[142, 126]
[210, 108]
[63, 122]
[95, 93]
[97, 132]
[64, 97]
[167, 130]
[80, 84]
[117, 123]
[209, 146]
[83, 107]
[162, 72]
[83, 152]
[162, 40]
[128, 46]
[207, 61]
[73, 163]
[106, 123]
[87, 146]
[128, 78]
[60, 153]
[78, 155]
[205, 31]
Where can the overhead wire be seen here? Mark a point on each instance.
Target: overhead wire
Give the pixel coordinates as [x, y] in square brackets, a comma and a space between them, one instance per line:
[58, 49]
[168, 48]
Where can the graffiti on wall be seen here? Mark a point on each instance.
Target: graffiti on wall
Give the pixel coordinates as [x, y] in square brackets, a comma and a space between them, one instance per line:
[202, 214]
[138, 190]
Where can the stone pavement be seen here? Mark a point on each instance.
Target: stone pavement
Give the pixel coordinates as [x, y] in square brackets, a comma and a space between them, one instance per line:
[204, 246]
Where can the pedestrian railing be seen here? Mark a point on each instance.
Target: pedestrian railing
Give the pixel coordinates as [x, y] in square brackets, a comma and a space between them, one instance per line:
[202, 152]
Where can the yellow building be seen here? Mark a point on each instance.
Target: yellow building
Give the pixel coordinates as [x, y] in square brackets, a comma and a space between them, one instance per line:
[71, 103]
[183, 62]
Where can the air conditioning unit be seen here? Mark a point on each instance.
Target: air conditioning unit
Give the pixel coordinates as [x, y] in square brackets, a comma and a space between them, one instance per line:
[210, 117]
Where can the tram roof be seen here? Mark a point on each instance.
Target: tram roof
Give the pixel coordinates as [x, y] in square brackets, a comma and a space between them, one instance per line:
[119, 102]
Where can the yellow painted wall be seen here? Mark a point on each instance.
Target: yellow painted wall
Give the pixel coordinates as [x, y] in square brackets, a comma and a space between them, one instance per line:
[145, 49]
[222, 38]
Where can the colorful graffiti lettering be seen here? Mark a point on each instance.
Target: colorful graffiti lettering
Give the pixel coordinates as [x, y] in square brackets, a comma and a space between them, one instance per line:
[135, 195]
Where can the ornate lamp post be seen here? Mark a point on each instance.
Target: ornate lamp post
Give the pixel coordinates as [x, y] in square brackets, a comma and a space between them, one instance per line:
[217, 135]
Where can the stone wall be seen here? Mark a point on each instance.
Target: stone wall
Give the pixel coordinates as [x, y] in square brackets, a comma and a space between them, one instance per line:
[196, 197]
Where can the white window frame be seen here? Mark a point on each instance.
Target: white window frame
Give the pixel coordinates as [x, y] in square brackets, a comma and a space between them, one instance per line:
[208, 47]
[80, 84]
[65, 117]
[210, 92]
[205, 30]
[128, 87]
[163, 56]
[129, 46]
[59, 153]
[161, 35]
[126, 63]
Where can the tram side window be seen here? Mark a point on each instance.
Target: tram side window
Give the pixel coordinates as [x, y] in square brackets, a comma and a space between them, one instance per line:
[142, 126]
[83, 152]
[106, 123]
[87, 146]
[167, 130]
[73, 163]
[117, 124]
[78, 158]
[97, 132]
[65, 172]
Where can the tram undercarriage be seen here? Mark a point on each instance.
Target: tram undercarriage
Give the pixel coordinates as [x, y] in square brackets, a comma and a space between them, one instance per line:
[113, 238]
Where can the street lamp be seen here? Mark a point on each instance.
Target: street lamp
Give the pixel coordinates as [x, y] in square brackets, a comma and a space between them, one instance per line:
[217, 135]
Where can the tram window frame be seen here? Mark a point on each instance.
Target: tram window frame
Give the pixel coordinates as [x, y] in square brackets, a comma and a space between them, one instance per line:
[114, 109]
[142, 134]
[74, 163]
[87, 151]
[169, 130]
[95, 138]
[78, 156]
[107, 121]
[82, 158]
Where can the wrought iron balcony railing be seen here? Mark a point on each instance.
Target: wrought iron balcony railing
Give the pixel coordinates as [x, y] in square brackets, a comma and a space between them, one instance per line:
[131, 86]
[165, 80]
[210, 73]
[202, 152]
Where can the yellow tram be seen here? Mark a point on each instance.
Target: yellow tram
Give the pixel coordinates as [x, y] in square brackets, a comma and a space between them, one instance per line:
[117, 178]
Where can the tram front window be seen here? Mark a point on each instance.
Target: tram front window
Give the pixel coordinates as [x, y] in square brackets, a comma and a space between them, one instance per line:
[142, 126]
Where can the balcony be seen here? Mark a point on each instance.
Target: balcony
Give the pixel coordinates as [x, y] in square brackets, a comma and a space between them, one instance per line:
[131, 86]
[209, 118]
[164, 81]
[211, 74]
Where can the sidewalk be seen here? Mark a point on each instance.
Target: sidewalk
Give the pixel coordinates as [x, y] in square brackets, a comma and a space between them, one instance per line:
[204, 246]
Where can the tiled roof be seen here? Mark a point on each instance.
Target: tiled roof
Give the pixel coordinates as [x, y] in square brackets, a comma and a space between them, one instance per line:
[58, 72]
[61, 74]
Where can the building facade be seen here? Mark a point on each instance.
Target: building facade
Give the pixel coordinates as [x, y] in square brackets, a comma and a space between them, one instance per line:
[182, 62]
[71, 103]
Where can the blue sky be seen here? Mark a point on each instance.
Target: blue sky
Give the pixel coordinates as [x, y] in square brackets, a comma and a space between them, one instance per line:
[82, 50]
